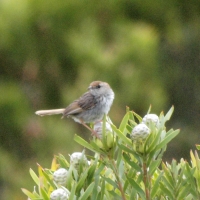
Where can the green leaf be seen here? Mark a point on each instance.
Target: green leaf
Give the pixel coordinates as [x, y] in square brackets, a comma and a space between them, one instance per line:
[149, 110]
[132, 123]
[138, 117]
[82, 142]
[136, 187]
[99, 169]
[28, 193]
[153, 166]
[48, 179]
[72, 192]
[121, 135]
[91, 171]
[154, 143]
[102, 190]
[103, 140]
[96, 147]
[81, 181]
[133, 194]
[155, 186]
[198, 146]
[168, 184]
[119, 157]
[126, 183]
[70, 178]
[167, 178]
[131, 116]
[114, 195]
[190, 197]
[168, 132]
[131, 163]
[110, 181]
[62, 161]
[129, 128]
[124, 122]
[189, 172]
[184, 191]
[34, 176]
[85, 144]
[167, 139]
[169, 113]
[95, 194]
[87, 192]
[44, 194]
[166, 191]
[126, 149]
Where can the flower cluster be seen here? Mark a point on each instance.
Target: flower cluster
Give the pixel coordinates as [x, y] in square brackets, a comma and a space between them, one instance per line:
[141, 131]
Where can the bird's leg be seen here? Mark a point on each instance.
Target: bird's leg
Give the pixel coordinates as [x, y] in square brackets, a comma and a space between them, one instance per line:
[98, 121]
[93, 132]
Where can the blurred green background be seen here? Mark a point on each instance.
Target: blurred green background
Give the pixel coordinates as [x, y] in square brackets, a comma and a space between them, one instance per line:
[148, 51]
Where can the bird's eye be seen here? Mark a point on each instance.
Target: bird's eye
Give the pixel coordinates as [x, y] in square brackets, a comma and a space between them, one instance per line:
[98, 86]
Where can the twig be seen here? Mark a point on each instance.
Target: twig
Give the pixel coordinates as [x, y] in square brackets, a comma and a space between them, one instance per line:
[146, 179]
[118, 180]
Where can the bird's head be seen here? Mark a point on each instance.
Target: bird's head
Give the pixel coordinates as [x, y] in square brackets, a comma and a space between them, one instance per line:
[100, 88]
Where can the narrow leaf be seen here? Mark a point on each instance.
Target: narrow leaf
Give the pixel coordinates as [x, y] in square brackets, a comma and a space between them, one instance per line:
[126, 149]
[54, 164]
[44, 194]
[184, 191]
[166, 191]
[72, 192]
[153, 166]
[149, 110]
[155, 186]
[121, 135]
[91, 172]
[154, 142]
[124, 122]
[131, 163]
[34, 176]
[169, 113]
[28, 193]
[102, 190]
[198, 146]
[48, 179]
[81, 181]
[167, 139]
[110, 181]
[85, 144]
[87, 192]
[137, 187]
[137, 116]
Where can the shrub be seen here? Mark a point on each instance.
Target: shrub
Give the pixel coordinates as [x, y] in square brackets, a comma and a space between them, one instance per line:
[126, 164]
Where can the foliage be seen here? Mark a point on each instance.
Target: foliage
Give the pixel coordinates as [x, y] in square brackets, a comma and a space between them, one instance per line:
[51, 50]
[127, 169]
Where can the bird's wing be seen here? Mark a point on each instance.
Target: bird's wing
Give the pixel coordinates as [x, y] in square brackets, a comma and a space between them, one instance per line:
[85, 102]
[73, 109]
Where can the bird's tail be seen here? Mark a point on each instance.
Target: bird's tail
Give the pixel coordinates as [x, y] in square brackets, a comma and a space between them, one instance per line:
[50, 112]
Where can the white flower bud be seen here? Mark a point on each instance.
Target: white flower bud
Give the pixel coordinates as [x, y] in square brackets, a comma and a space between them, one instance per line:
[60, 194]
[60, 176]
[140, 132]
[150, 118]
[109, 136]
[98, 128]
[77, 157]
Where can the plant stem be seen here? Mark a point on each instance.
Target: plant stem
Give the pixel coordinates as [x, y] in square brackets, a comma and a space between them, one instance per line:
[118, 180]
[146, 179]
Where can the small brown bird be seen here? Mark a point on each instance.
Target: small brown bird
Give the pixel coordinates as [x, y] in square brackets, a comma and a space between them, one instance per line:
[90, 107]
